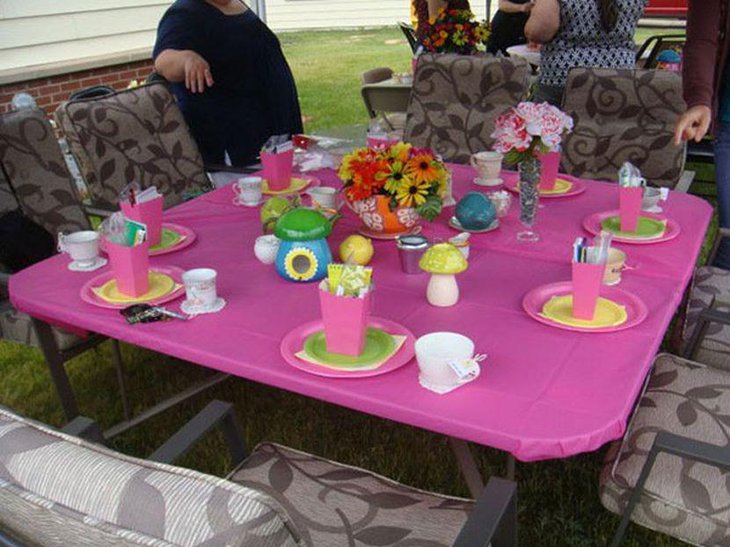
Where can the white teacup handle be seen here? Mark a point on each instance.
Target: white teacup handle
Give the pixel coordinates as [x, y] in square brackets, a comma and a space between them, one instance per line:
[62, 243]
[473, 161]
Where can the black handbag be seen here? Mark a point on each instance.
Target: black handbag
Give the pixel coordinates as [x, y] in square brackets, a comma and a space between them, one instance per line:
[23, 242]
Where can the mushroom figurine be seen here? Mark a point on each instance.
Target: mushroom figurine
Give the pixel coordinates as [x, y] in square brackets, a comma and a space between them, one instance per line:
[443, 261]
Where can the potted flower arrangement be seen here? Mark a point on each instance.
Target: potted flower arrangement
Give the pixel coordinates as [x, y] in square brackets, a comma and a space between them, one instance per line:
[525, 135]
[392, 187]
[454, 31]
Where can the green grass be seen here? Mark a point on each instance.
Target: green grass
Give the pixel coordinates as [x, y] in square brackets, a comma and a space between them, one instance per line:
[558, 500]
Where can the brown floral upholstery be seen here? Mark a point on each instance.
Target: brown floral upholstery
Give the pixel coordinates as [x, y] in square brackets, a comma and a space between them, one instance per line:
[334, 505]
[683, 498]
[133, 135]
[710, 289]
[56, 489]
[456, 100]
[18, 327]
[7, 198]
[32, 159]
[623, 115]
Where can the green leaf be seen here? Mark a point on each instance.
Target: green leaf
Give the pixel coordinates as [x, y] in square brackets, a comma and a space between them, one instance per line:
[431, 208]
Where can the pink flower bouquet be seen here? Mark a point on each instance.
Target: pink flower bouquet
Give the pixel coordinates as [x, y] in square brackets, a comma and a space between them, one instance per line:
[530, 130]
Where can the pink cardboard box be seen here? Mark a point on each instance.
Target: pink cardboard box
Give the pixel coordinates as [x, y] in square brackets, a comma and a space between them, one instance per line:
[630, 206]
[587, 280]
[130, 266]
[277, 169]
[345, 320]
[549, 173]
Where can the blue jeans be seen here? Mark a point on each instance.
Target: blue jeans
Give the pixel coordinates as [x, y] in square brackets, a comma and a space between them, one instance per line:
[722, 181]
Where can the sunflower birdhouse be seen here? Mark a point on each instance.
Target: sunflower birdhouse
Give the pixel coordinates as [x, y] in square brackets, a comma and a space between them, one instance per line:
[303, 254]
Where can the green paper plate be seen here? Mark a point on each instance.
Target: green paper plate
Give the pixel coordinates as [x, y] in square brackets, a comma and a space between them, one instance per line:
[647, 228]
[378, 344]
[168, 238]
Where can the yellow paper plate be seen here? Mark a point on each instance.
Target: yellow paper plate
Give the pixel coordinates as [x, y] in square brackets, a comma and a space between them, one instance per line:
[160, 285]
[562, 186]
[295, 185]
[608, 313]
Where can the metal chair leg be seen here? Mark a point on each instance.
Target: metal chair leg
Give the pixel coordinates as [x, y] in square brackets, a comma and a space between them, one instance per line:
[121, 381]
[55, 363]
[468, 466]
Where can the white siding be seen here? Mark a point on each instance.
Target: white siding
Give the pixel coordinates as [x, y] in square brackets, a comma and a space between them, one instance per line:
[38, 33]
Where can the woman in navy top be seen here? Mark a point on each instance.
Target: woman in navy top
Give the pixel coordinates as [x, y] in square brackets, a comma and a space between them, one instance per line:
[229, 75]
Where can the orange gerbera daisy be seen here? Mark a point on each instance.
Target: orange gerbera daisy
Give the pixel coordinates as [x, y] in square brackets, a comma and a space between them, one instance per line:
[421, 169]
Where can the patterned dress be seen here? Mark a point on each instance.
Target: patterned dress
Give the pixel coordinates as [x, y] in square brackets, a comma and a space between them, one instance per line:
[582, 41]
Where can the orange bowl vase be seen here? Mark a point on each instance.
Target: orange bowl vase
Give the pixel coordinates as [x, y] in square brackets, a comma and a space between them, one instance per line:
[377, 216]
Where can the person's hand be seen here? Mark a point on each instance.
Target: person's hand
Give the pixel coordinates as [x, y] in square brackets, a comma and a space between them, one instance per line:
[197, 73]
[693, 124]
[527, 6]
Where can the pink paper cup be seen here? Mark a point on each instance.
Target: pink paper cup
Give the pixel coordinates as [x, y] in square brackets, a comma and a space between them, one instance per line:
[630, 206]
[587, 279]
[549, 173]
[130, 266]
[277, 169]
[148, 213]
[345, 320]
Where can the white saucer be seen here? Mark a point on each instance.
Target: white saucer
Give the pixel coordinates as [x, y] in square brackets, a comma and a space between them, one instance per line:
[488, 182]
[217, 306]
[78, 267]
[442, 389]
[237, 201]
[456, 225]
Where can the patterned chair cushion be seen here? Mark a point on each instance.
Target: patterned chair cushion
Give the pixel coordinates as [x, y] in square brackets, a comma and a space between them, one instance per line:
[7, 198]
[17, 326]
[32, 158]
[456, 99]
[334, 505]
[133, 135]
[683, 498]
[710, 288]
[623, 115]
[56, 489]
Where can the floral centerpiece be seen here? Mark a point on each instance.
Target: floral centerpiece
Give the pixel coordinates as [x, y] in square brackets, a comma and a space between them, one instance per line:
[392, 187]
[454, 31]
[525, 135]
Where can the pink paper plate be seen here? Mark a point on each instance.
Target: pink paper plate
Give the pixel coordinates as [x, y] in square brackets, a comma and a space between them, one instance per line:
[88, 295]
[534, 301]
[592, 223]
[294, 342]
[188, 238]
[511, 179]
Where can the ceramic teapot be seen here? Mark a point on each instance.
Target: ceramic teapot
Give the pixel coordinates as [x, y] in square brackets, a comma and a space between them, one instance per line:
[303, 253]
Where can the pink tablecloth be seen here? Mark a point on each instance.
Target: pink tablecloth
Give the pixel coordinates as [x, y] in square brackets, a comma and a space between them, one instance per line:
[543, 392]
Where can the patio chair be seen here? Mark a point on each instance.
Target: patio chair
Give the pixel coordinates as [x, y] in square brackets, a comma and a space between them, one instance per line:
[706, 332]
[624, 115]
[669, 473]
[59, 489]
[390, 103]
[456, 99]
[410, 33]
[138, 135]
[34, 179]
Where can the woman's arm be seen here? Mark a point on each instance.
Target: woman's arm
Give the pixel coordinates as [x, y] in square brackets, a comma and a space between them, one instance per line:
[512, 7]
[179, 65]
[544, 21]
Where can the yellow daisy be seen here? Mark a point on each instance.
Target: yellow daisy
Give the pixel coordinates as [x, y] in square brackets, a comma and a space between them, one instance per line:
[411, 193]
[395, 175]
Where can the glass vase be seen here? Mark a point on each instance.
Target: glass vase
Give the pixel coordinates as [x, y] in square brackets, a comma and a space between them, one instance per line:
[529, 196]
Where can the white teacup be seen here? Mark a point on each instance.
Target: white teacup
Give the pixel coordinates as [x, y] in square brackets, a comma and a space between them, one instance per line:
[435, 351]
[651, 199]
[248, 191]
[82, 247]
[324, 197]
[200, 290]
[488, 165]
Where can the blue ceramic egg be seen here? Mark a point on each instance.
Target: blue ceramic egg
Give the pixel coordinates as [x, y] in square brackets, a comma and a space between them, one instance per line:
[475, 211]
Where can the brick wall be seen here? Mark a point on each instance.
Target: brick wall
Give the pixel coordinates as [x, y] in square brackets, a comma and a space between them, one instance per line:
[49, 92]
